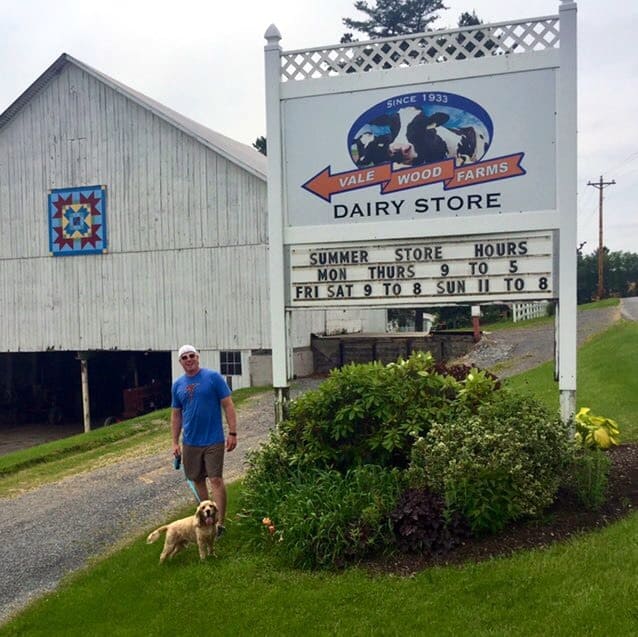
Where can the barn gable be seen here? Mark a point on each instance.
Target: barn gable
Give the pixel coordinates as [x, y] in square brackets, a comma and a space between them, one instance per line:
[186, 220]
[238, 153]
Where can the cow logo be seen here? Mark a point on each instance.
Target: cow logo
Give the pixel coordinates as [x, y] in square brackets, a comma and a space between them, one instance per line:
[421, 128]
[416, 139]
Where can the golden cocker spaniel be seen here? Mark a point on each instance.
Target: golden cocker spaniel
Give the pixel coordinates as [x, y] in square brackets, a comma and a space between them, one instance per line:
[199, 528]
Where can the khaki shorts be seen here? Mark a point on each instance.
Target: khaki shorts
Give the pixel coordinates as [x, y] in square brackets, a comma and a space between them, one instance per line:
[203, 462]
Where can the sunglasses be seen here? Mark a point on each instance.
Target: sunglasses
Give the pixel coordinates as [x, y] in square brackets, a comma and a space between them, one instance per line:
[187, 356]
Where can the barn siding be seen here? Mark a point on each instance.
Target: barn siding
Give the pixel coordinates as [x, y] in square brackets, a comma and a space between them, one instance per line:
[187, 251]
[187, 257]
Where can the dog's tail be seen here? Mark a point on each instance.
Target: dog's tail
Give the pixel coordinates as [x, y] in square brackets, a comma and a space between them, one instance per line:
[154, 536]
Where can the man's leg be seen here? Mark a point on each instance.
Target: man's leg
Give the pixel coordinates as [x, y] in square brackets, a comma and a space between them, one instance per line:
[218, 490]
[214, 459]
[195, 469]
[202, 489]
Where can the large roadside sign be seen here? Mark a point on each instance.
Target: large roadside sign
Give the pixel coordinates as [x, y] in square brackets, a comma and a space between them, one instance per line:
[428, 169]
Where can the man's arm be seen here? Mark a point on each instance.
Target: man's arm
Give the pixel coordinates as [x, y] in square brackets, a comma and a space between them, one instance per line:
[176, 429]
[231, 418]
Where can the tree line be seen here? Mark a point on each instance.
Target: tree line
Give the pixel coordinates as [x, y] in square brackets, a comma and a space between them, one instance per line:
[620, 275]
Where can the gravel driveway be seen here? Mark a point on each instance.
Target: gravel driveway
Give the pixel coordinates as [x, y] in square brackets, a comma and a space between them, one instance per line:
[53, 530]
[515, 350]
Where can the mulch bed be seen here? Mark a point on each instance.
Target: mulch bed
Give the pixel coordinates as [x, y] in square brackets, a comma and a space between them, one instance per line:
[564, 519]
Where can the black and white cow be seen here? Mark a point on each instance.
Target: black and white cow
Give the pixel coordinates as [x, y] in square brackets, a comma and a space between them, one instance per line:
[373, 140]
[423, 139]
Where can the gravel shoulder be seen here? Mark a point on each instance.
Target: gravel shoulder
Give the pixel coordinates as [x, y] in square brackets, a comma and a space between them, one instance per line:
[58, 528]
[512, 351]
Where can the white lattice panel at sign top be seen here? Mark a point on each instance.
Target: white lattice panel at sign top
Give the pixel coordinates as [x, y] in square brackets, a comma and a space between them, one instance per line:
[426, 48]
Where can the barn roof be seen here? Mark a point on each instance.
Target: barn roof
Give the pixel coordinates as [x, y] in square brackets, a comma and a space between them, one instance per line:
[236, 152]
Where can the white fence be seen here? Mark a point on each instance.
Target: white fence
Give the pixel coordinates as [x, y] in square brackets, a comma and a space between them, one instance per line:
[526, 311]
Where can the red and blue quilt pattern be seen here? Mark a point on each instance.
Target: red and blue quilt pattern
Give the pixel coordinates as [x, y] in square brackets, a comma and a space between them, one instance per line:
[77, 220]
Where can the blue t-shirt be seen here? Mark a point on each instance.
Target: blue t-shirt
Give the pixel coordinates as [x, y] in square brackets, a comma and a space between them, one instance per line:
[199, 399]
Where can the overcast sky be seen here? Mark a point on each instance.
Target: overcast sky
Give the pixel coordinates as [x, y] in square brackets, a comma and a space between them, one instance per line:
[204, 59]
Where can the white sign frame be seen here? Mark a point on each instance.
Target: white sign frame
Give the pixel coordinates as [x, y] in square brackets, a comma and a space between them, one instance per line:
[556, 213]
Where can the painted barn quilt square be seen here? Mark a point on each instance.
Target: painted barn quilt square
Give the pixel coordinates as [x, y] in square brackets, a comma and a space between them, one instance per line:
[77, 220]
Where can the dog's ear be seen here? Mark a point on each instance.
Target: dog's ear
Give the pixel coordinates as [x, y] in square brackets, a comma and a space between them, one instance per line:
[199, 516]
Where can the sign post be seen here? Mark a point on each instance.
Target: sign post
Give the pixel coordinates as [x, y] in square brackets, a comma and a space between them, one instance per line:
[278, 318]
[566, 177]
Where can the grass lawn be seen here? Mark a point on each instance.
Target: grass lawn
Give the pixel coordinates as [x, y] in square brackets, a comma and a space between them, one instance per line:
[607, 378]
[586, 586]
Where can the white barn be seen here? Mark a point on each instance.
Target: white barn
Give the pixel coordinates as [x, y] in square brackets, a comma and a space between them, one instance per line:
[179, 250]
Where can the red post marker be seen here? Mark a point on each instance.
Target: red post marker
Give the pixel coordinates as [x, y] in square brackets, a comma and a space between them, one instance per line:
[476, 318]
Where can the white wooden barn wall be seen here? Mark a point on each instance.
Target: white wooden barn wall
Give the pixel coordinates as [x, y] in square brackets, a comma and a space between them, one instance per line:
[187, 232]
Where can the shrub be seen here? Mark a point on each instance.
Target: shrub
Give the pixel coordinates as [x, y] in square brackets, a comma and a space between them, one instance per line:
[327, 519]
[496, 465]
[267, 480]
[460, 372]
[371, 413]
[421, 526]
[307, 479]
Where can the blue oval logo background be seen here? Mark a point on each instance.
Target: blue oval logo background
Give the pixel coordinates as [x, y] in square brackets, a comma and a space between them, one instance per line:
[421, 128]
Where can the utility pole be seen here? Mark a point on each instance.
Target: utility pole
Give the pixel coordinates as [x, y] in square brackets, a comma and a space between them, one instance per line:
[600, 185]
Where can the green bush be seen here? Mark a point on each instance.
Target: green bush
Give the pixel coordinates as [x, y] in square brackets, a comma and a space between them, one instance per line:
[503, 462]
[372, 414]
[327, 519]
[267, 480]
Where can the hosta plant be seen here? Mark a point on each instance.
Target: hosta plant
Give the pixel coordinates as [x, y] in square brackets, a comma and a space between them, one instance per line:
[595, 432]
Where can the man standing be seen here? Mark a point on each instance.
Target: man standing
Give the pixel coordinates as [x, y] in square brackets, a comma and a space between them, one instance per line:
[199, 396]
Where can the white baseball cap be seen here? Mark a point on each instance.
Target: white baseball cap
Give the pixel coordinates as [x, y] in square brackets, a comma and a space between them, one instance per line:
[184, 349]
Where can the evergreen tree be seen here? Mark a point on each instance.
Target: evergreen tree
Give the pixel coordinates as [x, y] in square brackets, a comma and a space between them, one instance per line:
[388, 18]
[469, 19]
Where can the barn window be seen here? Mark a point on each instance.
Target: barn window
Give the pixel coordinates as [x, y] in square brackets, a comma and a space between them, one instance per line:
[230, 363]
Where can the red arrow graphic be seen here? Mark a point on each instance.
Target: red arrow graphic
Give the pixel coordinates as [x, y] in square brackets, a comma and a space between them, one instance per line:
[488, 170]
[324, 184]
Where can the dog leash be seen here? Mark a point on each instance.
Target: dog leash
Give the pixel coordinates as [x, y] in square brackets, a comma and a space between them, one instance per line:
[193, 489]
[176, 463]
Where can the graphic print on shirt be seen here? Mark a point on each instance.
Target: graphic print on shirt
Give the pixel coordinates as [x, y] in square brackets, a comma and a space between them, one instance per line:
[190, 390]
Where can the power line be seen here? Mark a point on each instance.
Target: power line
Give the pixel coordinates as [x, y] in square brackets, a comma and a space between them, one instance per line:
[601, 185]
